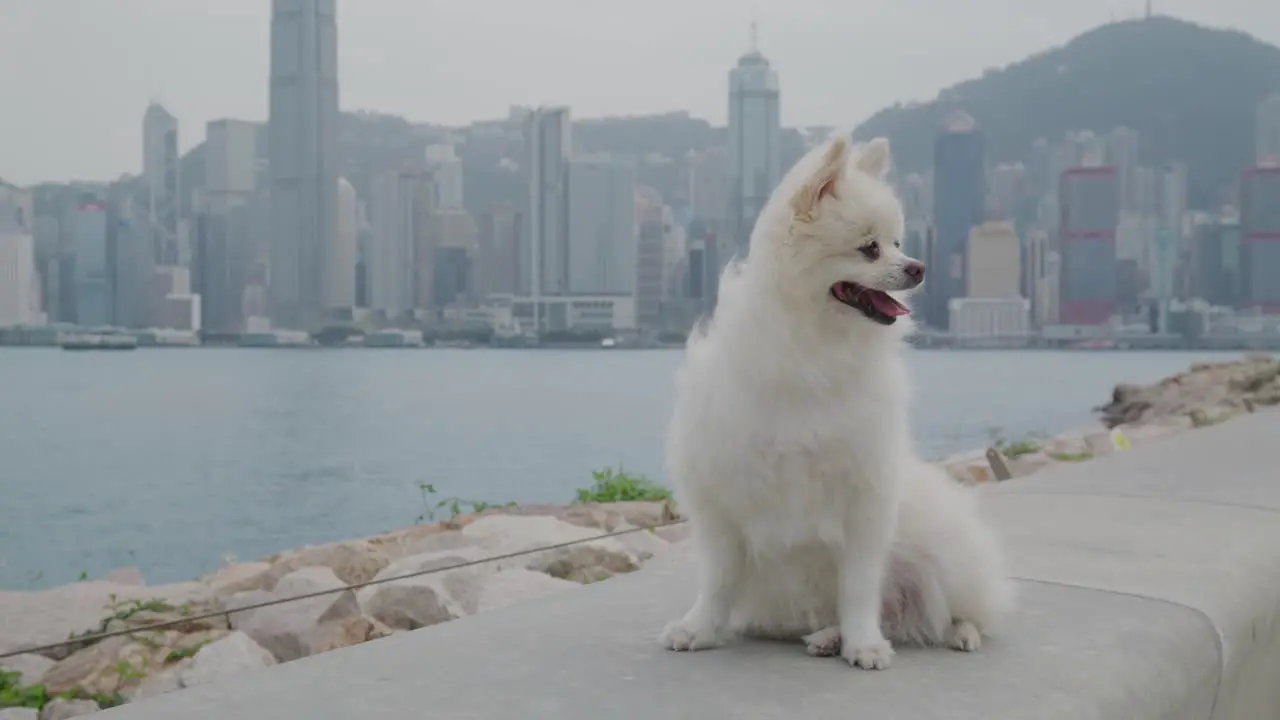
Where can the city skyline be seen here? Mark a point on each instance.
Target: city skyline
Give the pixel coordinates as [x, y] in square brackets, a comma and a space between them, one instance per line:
[396, 59]
[1082, 231]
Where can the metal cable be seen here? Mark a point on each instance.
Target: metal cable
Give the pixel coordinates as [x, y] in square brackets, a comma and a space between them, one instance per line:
[98, 637]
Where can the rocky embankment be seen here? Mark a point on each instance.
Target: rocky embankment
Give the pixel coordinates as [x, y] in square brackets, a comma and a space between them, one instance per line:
[1206, 394]
[85, 676]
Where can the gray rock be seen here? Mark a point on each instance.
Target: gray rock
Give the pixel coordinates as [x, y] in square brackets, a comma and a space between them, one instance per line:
[32, 667]
[284, 630]
[239, 577]
[352, 561]
[512, 586]
[19, 714]
[232, 654]
[415, 602]
[345, 632]
[163, 682]
[30, 618]
[65, 709]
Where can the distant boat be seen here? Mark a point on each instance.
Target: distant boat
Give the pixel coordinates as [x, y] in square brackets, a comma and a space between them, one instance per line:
[98, 341]
[1092, 345]
[608, 343]
[461, 344]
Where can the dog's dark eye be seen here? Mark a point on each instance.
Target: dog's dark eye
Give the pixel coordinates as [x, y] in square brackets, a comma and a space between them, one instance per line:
[871, 250]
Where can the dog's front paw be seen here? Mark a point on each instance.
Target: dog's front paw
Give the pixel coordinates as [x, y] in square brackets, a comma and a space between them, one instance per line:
[682, 635]
[824, 643]
[964, 636]
[868, 656]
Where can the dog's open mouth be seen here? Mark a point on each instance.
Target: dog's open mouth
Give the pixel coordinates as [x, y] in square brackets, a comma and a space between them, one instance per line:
[875, 304]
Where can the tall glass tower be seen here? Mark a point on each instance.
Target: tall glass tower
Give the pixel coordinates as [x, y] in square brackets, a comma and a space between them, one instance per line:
[303, 158]
[754, 135]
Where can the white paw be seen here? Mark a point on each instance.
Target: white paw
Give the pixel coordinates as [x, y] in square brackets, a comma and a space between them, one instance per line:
[824, 643]
[964, 636]
[870, 656]
[681, 635]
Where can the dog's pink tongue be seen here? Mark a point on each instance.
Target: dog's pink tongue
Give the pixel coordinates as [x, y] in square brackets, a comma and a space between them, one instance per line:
[888, 305]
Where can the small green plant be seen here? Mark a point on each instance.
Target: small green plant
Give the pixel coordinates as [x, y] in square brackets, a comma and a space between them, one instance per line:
[428, 511]
[1020, 448]
[127, 671]
[15, 694]
[182, 653]
[153, 640]
[123, 611]
[84, 575]
[619, 486]
[1071, 456]
[455, 505]
[1012, 449]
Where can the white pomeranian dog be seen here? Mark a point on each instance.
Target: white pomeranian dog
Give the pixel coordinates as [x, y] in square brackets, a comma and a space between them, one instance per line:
[789, 444]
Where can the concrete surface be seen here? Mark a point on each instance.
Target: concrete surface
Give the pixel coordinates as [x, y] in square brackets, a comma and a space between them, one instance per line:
[1150, 586]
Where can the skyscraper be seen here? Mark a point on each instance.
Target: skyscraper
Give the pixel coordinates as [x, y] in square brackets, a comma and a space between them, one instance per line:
[340, 282]
[399, 260]
[994, 261]
[19, 282]
[1122, 154]
[1260, 244]
[303, 147]
[132, 260]
[92, 272]
[498, 241]
[1267, 131]
[1089, 200]
[230, 162]
[228, 232]
[160, 172]
[708, 173]
[602, 226]
[959, 204]
[545, 257]
[453, 247]
[754, 138]
[649, 259]
[1215, 262]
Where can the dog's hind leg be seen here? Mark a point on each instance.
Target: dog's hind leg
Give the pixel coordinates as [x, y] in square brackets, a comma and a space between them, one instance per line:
[963, 636]
[824, 643]
[721, 564]
[915, 601]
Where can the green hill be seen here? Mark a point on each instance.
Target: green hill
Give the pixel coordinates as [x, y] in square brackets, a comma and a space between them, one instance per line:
[1190, 91]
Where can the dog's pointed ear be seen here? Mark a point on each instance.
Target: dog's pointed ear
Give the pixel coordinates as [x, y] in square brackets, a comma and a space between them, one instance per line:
[874, 158]
[823, 181]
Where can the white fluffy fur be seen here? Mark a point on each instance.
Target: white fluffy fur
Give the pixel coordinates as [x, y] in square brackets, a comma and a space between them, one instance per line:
[789, 444]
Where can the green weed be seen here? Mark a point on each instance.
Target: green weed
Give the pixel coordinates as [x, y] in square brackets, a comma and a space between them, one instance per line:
[13, 693]
[620, 486]
[455, 505]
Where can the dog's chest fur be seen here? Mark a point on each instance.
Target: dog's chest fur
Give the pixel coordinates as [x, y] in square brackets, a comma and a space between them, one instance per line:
[785, 456]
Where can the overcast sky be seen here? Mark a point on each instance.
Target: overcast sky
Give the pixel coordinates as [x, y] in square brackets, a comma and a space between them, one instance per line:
[76, 75]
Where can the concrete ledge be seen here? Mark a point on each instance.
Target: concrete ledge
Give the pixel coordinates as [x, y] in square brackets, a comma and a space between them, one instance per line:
[1150, 589]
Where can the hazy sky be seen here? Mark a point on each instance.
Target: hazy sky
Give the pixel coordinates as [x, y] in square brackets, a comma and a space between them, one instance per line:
[76, 75]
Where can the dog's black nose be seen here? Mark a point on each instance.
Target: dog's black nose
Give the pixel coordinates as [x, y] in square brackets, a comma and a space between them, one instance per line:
[915, 271]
